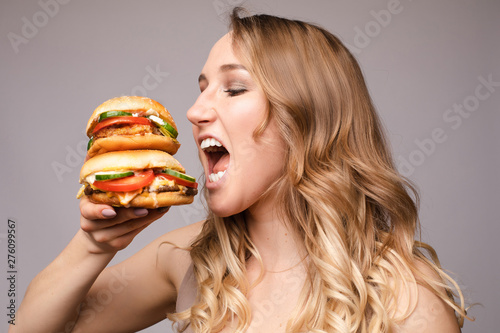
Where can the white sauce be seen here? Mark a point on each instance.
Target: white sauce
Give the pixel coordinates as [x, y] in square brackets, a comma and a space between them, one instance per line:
[157, 120]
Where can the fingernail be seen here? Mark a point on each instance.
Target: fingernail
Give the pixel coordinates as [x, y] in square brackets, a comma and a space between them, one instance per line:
[108, 212]
[163, 209]
[141, 212]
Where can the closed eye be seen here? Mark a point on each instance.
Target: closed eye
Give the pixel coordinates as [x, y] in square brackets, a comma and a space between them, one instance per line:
[235, 92]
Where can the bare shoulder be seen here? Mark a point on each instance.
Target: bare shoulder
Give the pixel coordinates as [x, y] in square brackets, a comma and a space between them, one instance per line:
[172, 255]
[183, 236]
[430, 313]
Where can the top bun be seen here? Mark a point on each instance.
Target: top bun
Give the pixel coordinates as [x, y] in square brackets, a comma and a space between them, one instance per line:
[129, 104]
[130, 160]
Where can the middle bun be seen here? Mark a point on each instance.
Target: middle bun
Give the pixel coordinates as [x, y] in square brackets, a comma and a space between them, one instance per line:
[129, 160]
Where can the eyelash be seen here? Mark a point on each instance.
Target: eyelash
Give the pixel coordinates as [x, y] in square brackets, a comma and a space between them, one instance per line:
[235, 92]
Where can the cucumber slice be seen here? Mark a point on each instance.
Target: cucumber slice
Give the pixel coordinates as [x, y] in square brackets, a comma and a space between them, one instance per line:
[109, 114]
[91, 141]
[170, 129]
[179, 175]
[165, 128]
[166, 132]
[113, 175]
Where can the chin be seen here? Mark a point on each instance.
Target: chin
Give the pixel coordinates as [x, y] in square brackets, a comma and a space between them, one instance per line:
[222, 210]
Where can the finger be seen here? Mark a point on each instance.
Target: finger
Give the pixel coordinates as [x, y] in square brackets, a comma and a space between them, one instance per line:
[136, 214]
[92, 211]
[163, 210]
[123, 215]
[135, 232]
[123, 241]
[108, 235]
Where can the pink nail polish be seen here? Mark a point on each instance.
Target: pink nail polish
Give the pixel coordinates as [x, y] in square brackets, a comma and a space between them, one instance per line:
[108, 212]
[141, 212]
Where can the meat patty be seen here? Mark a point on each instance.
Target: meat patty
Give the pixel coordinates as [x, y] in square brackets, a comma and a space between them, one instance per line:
[127, 129]
[189, 191]
[165, 188]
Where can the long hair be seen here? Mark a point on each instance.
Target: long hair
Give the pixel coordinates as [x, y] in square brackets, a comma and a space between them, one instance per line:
[357, 216]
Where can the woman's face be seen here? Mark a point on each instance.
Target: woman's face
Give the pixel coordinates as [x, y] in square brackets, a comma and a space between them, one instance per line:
[238, 167]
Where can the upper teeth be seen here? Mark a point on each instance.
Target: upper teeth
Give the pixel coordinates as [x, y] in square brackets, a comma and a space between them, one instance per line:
[210, 142]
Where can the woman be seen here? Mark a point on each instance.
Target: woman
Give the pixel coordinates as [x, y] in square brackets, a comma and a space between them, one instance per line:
[311, 228]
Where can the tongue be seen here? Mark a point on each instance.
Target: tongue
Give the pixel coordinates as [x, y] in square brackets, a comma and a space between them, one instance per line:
[222, 163]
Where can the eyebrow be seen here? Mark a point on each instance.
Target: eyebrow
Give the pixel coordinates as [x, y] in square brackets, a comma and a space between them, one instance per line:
[230, 67]
[223, 68]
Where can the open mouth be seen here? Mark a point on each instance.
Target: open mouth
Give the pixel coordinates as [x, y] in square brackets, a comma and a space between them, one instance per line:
[217, 157]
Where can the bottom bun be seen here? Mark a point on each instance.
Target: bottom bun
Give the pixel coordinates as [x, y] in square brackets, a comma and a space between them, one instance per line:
[144, 200]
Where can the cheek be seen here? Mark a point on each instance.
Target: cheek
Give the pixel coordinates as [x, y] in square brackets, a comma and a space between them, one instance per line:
[246, 113]
[272, 163]
[265, 159]
[275, 152]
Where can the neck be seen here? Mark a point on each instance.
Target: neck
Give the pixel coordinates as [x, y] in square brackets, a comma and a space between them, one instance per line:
[277, 243]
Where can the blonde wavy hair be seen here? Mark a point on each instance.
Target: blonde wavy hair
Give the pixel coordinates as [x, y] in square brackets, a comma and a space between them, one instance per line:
[340, 190]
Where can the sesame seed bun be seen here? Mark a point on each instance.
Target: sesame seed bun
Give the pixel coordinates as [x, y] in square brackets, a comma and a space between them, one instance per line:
[132, 104]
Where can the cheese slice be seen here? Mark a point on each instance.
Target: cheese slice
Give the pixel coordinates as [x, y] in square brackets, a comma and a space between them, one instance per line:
[125, 197]
[159, 181]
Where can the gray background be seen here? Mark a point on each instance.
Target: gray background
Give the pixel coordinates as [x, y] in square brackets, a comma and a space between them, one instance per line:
[420, 62]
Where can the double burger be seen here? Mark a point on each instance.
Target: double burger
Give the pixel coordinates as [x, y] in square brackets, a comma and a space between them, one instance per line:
[136, 178]
[131, 123]
[130, 163]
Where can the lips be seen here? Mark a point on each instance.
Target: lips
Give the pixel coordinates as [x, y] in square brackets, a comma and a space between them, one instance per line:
[217, 157]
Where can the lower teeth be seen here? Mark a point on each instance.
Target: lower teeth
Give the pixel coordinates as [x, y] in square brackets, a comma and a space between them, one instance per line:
[214, 177]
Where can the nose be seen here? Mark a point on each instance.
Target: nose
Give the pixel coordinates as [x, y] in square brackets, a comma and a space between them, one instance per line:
[202, 111]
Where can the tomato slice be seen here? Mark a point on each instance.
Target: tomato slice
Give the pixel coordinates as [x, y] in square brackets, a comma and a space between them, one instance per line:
[126, 184]
[179, 181]
[121, 120]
